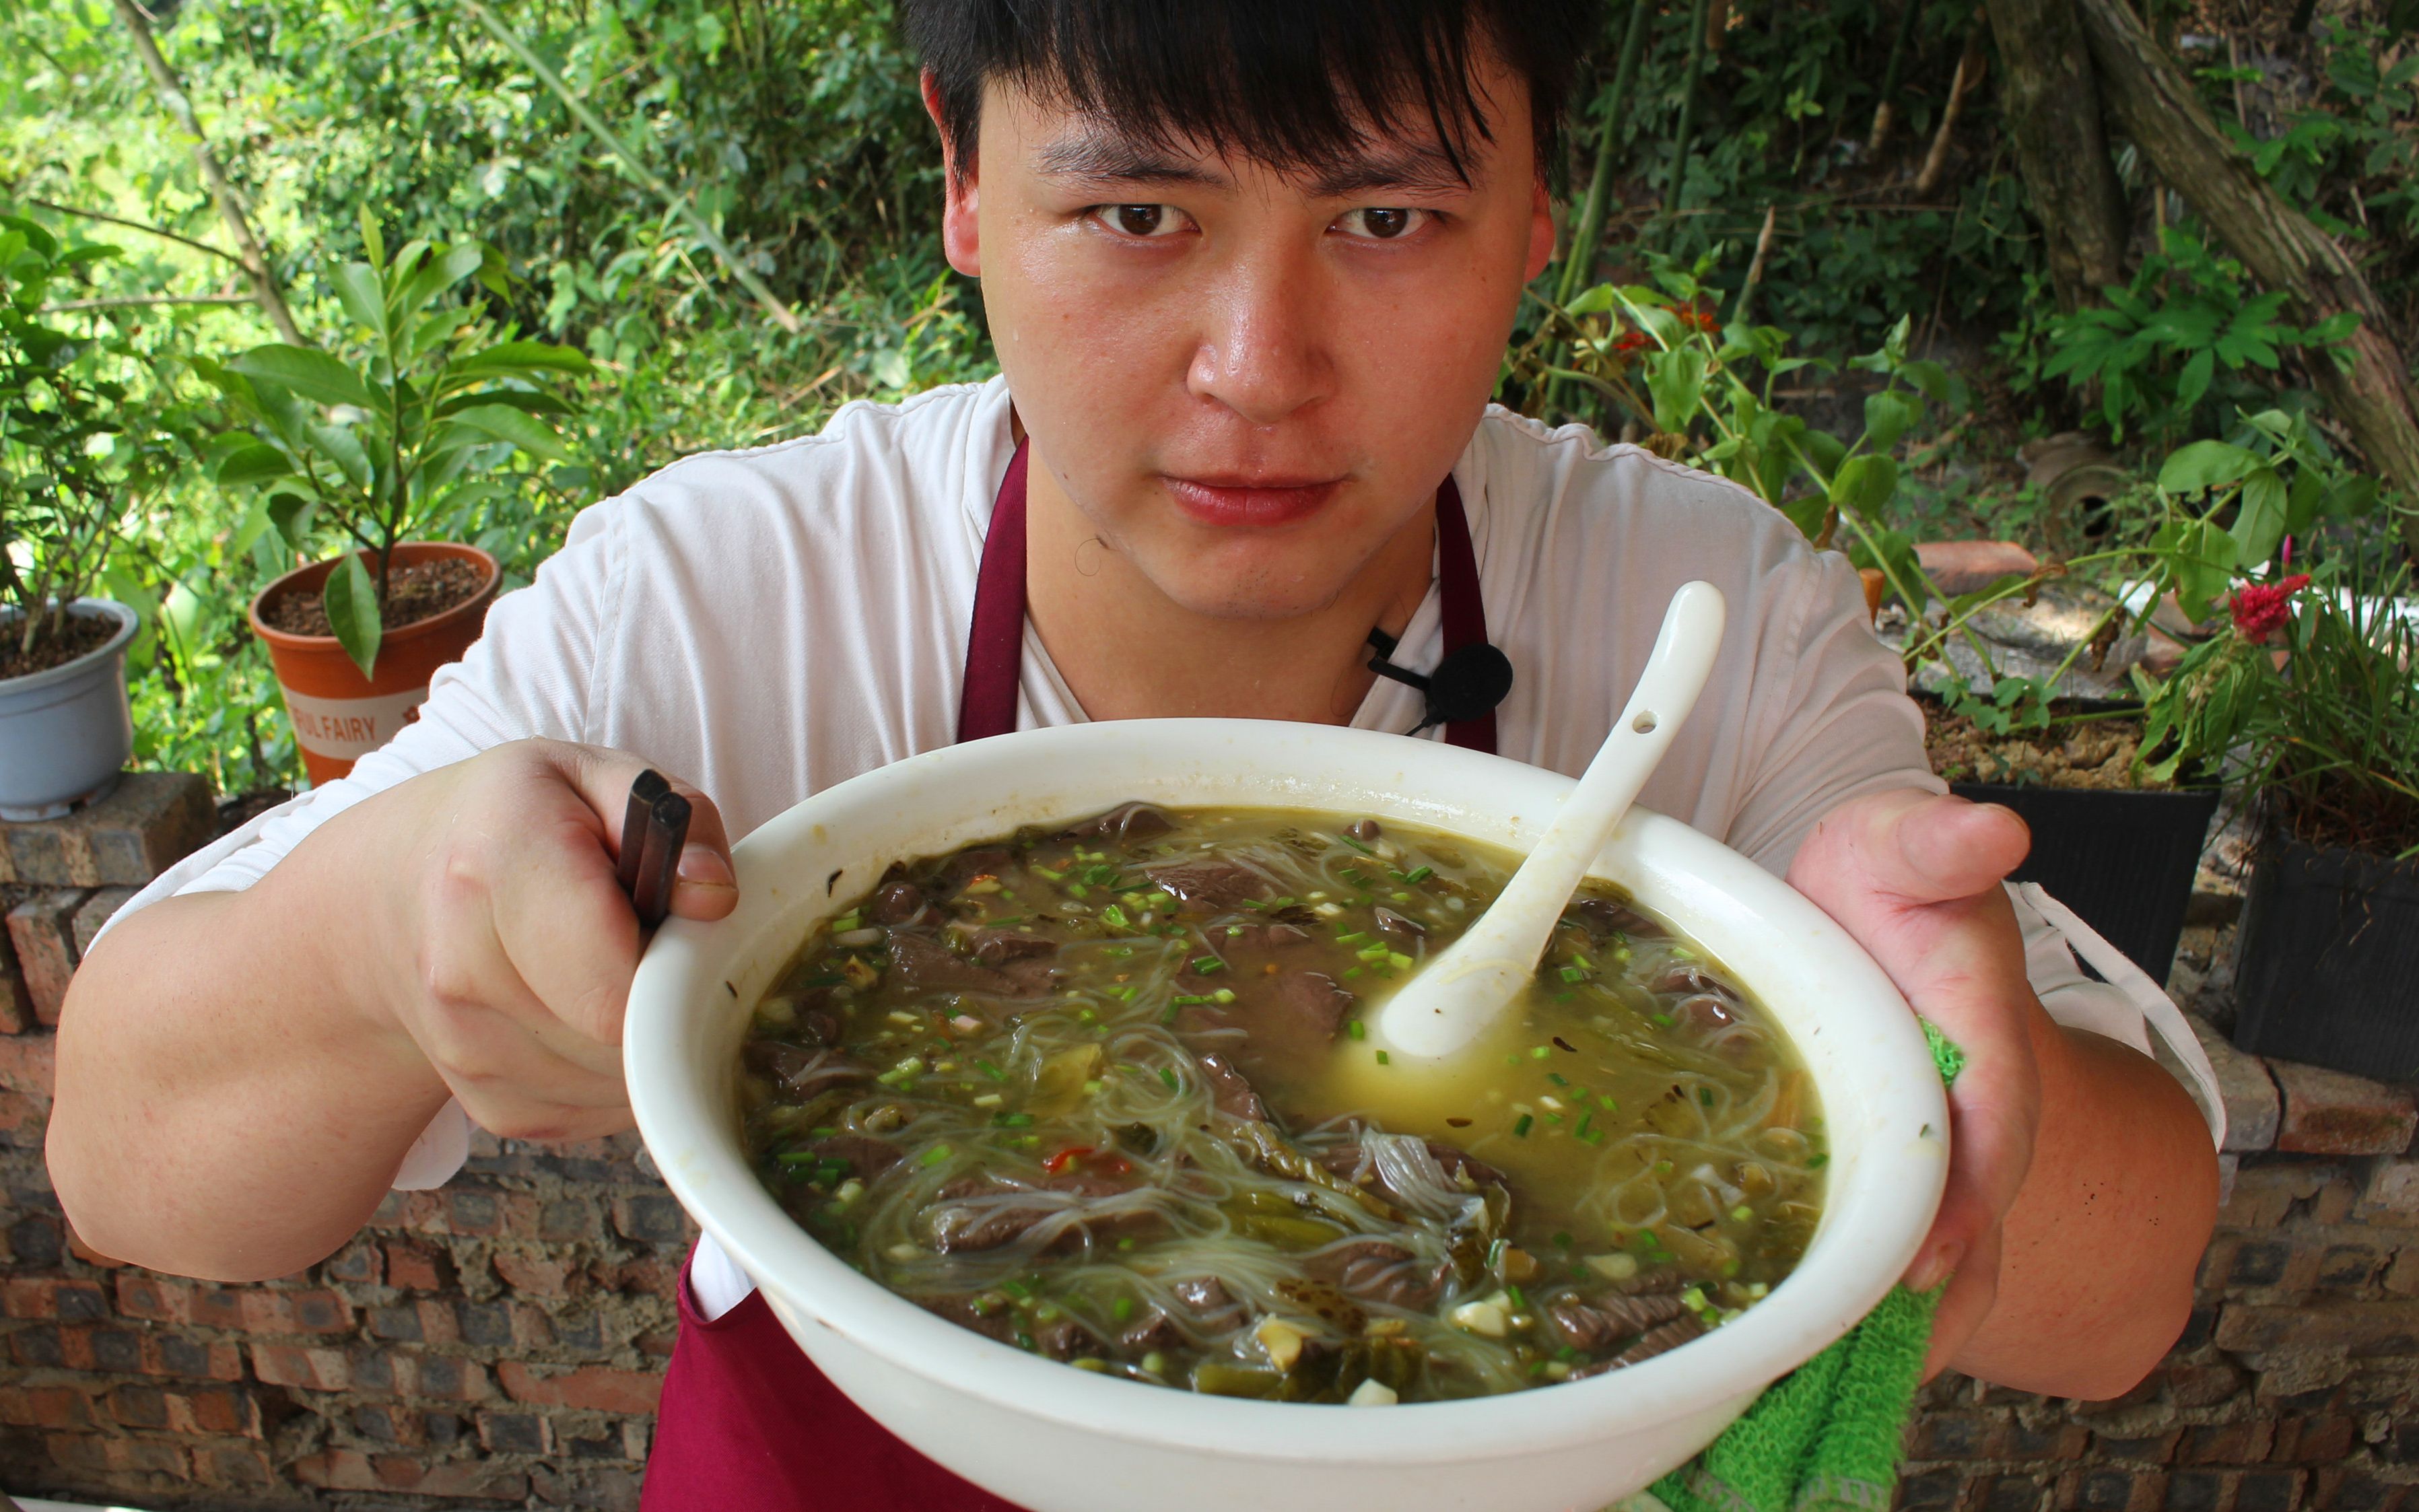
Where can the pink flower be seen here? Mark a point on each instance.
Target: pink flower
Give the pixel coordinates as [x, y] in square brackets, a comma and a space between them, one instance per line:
[2261, 607]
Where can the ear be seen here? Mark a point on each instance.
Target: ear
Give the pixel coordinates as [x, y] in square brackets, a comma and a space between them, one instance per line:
[1541, 232]
[961, 237]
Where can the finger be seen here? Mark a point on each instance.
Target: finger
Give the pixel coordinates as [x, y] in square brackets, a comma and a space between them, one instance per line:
[1995, 1108]
[1912, 847]
[704, 886]
[1971, 1293]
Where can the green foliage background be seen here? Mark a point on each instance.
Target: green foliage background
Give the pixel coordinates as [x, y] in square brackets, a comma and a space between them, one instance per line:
[794, 129]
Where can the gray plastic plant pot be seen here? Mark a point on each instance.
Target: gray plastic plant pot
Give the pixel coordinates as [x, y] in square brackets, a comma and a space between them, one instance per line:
[65, 733]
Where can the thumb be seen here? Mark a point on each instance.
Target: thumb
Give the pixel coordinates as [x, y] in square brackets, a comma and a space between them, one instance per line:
[1918, 847]
[705, 885]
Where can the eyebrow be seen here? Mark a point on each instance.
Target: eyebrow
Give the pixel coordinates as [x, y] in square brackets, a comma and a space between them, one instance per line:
[1106, 158]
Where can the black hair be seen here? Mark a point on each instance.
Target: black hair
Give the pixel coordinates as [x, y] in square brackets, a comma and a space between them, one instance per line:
[1292, 83]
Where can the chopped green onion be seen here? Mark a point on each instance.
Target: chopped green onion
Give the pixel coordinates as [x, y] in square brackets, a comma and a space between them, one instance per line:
[1521, 1128]
[1381, 1059]
[1562, 1241]
[1574, 974]
[1017, 1289]
[1540, 1051]
[1100, 876]
[933, 1156]
[1012, 1120]
[1124, 995]
[1119, 952]
[1663, 1020]
[1122, 1310]
[1372, 953]
[1169, 1075]
[1587, 1122]
[1705, 1096]
[991, 1071]
[1605, 1102]
[1399, 961]
[1519, 1298]
[1188, 999]
[1415, 876]
[1354, 938]
[1742, 1213]
[1076, 890]
[1040, 870]
[1351, 972]
[1356, 845]
[1224, 995]
[1357, 1029]
[1205, 965]
[1817, 1161]
[1579, 959]
[799, 1157]
[1558, 1078]
[1114, 917]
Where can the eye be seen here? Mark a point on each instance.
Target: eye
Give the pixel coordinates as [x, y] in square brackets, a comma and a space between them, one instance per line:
[1379, 223]
[1141, 219]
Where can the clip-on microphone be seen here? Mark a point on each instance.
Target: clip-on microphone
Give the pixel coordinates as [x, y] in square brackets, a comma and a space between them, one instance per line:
[1469, 680]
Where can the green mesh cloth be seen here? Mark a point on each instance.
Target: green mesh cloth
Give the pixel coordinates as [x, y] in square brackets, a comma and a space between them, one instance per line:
[1827, 1435]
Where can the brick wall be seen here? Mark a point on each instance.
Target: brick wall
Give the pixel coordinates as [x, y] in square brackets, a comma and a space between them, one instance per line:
[500, 1343]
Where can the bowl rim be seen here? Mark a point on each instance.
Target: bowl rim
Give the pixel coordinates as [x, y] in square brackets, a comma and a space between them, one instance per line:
[1652, 855]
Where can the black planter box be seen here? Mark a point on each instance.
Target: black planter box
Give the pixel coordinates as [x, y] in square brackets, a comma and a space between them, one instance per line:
[2122, 860]
[2326, 963]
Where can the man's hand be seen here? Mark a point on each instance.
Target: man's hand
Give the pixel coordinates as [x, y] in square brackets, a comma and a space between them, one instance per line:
[241, 1073]
[1915, 879]
[517, 942]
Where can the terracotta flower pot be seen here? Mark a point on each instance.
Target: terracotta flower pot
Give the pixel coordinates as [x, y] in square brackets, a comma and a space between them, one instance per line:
[340, 715]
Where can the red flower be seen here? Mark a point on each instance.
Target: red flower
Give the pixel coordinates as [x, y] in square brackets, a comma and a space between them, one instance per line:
[2261, 607]
[1632, 340]
[1697, 317]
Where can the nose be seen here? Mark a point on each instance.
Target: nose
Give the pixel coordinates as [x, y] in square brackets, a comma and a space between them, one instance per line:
[1265, 352]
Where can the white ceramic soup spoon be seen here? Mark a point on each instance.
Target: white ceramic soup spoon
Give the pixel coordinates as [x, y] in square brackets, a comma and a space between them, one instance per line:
[1466, 988]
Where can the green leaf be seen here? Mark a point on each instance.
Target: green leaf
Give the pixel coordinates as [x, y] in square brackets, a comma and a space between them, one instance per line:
[1675, 384]
[2205, 465]
[1864, 484]
[2200, 558]
[1887, 416]
[291, 514]
[2259, 517]
[339, 445]
[1928, 377]
[2194, 381]
[312, 374]
[1592, 301]
[515, 358]
[351, 602]
[363, 296]
[1807, 512]
[253, 463]
[372, 242]
[506, 424]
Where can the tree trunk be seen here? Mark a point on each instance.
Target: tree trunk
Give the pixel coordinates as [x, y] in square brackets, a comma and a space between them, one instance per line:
[2156, 103]
[229, 199]
[2052, 102]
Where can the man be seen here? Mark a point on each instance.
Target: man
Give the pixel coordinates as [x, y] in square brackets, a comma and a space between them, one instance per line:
[1250, 268]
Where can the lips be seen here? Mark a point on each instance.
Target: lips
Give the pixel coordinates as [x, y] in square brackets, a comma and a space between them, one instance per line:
[1255, 505]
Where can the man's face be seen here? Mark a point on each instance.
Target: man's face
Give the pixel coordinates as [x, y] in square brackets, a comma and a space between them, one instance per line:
[1248, 383]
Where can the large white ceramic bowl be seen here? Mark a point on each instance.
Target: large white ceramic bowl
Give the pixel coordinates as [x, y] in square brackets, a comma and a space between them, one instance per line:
[1058, 1440]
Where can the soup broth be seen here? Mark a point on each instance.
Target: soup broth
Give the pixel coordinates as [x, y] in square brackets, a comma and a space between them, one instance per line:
[1110, 1093]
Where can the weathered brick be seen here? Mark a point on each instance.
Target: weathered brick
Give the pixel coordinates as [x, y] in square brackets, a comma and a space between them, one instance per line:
[72, 1302]
[649, 1219]
[411, 1267]
[536, 1275]
[356, 1264]
[298, 1365]
[2392, 1196]
[2259, 1263]
[2322, 1440]
[2228, 1444]
[2202, 1386]
[115, 1456]
[16, 1002]
[2268, 1491]
[2195, 1491]
[22, 1119]
[2252, 1105]
[2011, 1494]
[95, 912]
[2263, 1194]
[2058, 1441]
[350, 1469]
[154, 1299]
[204, 1411]
[2349, 1267]
[567, 1220]
[2110, 1489]
[1934, 1491]
[595, 1388]
[515, 1433]
[2359, 1327]
[1952, 1436]
[173, 1355]
[2403, 1280]
[46, 1407]
[2155, 1450]
[27, 1063]
[2328, 1113]
[233, 1468]
[42, 930]
[150, 823]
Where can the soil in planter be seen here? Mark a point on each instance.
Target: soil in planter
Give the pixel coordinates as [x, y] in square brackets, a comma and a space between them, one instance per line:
[2349, 816]
[73, 637]
[2098, 754]
[415, 590]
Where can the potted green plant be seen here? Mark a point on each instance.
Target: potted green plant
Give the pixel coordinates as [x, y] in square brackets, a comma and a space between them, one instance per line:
[432, 412]
[70, 471]
[2308, 694]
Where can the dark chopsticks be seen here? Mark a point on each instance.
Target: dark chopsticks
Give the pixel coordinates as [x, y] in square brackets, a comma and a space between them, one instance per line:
[653, 832]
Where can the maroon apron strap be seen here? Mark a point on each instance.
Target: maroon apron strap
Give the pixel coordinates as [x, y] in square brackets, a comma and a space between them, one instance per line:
[995, 639]
[1464, 609]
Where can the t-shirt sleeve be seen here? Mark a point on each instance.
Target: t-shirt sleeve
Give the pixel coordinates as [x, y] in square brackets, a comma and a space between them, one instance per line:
[529, 674]
[1840, 726]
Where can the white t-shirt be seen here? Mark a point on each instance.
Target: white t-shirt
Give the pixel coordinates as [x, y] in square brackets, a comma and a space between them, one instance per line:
[767, 622]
